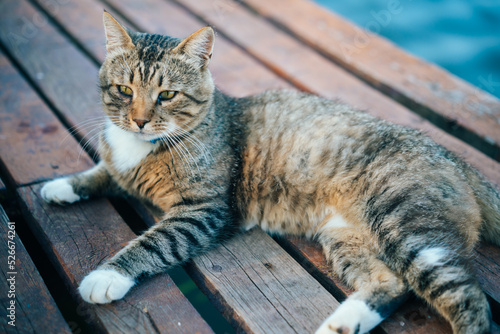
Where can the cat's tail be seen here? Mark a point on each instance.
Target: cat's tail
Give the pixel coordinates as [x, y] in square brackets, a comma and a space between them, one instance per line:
[488, 199]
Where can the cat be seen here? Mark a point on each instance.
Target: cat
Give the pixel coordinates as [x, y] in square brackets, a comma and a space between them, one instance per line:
[394, 211]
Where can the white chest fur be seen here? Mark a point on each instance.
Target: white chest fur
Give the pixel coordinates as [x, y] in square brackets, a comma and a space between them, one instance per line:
[127, 150]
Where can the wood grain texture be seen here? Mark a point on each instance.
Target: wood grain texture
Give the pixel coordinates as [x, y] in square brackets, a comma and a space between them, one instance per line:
[65, 76]
[77, 239]
[486, 263]
[34, 310]
[260, 288]
[456, 105]
[308, 70]
[34, 145]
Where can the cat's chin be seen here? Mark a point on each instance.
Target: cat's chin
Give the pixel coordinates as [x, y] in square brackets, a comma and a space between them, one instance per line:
[147, 137]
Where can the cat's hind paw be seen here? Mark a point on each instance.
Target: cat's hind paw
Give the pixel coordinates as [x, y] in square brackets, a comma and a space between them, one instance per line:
[351, 317]
[103, 286]
[59, 191]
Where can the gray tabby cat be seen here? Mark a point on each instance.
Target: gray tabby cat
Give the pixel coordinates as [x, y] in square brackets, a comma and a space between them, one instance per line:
[393, 210]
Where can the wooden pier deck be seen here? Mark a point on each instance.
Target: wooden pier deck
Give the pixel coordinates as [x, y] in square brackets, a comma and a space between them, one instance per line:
[50, 52]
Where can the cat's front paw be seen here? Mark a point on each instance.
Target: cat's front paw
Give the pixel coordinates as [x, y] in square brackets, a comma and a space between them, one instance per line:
[104, 285]
[59, 191]
[351, 317]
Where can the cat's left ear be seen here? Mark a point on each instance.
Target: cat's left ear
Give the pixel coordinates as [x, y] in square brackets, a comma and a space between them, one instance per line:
[199, 46]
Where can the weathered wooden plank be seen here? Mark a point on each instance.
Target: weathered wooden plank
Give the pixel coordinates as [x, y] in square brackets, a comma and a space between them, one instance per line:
[77, 239]
[229, 64]
[260, 288]
[458, 107]
[27, 306]
[65, 76]
[310, 71]
[34, 145]
[486, 263]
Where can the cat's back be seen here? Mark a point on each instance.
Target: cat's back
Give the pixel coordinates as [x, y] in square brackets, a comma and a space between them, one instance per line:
[304, 154]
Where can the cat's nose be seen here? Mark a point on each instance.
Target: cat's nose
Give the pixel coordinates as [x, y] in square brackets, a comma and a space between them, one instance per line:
[141, 122]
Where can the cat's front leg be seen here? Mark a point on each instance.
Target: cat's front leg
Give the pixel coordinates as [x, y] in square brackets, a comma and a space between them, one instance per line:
[182, 235]
[66, 190]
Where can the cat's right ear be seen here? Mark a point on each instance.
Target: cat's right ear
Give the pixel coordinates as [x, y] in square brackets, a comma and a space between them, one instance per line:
[116, 35]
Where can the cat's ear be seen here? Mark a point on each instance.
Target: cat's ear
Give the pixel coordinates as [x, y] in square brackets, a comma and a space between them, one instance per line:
[116, 35]
[198, 46]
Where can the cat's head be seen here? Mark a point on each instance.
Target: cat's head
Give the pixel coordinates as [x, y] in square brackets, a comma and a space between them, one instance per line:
[154, 85]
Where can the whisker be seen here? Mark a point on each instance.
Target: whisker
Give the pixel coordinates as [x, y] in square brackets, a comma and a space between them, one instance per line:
[80, 126]
[180, 153]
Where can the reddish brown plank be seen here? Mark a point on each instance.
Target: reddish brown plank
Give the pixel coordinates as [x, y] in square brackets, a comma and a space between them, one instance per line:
[486, 263]
[260, 288]
[27, 305]
[77, 239]
[34, 145]
[65, 76]
[310, 71]
[459, 107]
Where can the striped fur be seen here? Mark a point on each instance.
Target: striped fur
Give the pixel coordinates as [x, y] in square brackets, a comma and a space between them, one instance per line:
[394, 211]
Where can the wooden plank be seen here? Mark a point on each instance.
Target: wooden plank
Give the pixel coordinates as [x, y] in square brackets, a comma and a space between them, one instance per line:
[486, 263]
[310, 71]
[260, 288]
[457, 106]
[228, 64]
[78, 238]
[27, 306]
[65, 76]
[34, 145]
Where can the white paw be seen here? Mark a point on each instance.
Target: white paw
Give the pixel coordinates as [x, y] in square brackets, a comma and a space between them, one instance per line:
[352, 316]
[59, 191]
[104, 286]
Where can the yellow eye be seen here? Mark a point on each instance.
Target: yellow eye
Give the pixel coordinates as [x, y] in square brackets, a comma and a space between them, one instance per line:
[124, 90]
[166, 95]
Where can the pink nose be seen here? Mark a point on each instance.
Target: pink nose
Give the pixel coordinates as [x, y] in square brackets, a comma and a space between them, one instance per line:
[141, 122]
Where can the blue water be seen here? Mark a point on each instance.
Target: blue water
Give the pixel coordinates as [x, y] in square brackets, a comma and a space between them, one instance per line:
[459, 35]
